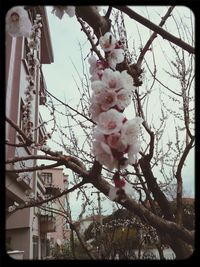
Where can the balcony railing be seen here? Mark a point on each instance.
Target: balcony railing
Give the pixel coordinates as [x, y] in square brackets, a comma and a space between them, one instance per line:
[51, 189]
[47, 223]
[47, 217]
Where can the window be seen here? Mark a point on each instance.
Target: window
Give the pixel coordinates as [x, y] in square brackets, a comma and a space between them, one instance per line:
[35, 247]
[47, 177]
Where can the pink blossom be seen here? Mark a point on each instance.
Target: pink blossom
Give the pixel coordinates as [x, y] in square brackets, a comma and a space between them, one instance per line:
[107, 99]
[115, 57]
[107, 42]
[116, 193]
[131, 129]
[112, 79]
[110, 121]
[95, 110]
[133, 150]
[97, 86]
[123, 99]
[127, 81]
[96, 68]
[114, 141]
[103, 154]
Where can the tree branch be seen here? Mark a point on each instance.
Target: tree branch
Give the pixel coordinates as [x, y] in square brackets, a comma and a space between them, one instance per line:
[39, 203]
[153, 36]
[147, 23]
[32, 169]
[100, 24]
[28, 142]
[16, 159]
[179, 179]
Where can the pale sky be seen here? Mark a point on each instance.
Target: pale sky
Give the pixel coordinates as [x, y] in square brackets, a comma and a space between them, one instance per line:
[66, 37]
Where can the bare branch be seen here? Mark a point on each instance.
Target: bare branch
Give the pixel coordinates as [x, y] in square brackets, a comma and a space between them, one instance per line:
[153, 36]
[31, 157]
[166, 35]
[39, 203]
[32, 169]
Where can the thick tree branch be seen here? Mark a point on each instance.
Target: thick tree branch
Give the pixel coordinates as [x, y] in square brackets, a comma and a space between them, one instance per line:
[100, 24]
[178, 176]
[147, 23]
[155, 189]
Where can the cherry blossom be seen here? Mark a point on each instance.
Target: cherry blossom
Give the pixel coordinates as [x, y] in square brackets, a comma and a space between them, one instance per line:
[120, 191]
[96, 68]
[98, 86]
[107, 99]
[126, 81]
[133, 151]
[115, 57]
[123, 99]
[110, 121]
[107, 42]
[131, 129]
[17, 22]
[116, 142]
[95, 110]
[103, 152]
[112, 79]
[33, 63]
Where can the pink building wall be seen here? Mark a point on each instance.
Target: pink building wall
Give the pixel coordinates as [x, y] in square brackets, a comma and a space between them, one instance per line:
[23, 225]
[59, 180]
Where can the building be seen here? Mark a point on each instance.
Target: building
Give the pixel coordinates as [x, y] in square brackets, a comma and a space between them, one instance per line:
[55, 181]
[23, 234]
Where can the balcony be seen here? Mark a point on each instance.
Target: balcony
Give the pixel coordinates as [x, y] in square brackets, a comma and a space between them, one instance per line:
[47, 223]
[47, 217]
[51, 189]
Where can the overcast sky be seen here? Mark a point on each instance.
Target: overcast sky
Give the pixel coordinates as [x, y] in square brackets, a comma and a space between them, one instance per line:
[66, 40]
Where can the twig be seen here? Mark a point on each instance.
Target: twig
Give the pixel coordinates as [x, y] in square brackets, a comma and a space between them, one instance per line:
[166, 35]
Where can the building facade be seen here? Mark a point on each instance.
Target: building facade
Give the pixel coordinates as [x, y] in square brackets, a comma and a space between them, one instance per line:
[55, 181]
[23, 227]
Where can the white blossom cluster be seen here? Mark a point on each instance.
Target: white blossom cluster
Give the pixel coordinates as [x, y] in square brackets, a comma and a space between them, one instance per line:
[112, 48]
[29, 196]
[59, 11]
[114, 135]
[13, 207]
[33, 63]
[21, 177]
[17, 22]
